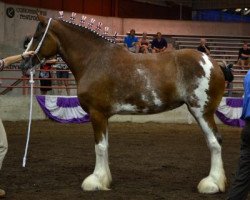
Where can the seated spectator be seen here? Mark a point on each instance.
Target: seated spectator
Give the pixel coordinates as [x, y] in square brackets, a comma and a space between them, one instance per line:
[203, 46]
[244, 55]
[144, 44]
[159, 44]
[131, 42]
[61, 65]
[44, 74]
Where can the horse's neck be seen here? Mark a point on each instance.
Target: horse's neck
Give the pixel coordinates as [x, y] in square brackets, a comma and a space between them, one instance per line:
[78, 46]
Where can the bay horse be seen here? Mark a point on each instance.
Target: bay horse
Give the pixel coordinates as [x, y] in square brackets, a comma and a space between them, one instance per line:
[111, 80]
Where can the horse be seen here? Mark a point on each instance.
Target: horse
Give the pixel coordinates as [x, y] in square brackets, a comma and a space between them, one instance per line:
[111, 80]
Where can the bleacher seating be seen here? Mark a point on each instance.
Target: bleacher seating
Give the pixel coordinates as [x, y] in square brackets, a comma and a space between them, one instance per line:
[222, 48]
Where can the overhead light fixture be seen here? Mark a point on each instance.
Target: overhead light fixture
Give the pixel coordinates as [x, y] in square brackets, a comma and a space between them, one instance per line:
[246, 12]
[246, 9]
[237, 9]
[224, 10]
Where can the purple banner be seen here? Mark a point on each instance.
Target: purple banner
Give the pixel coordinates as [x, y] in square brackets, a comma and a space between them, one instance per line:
[63, 109]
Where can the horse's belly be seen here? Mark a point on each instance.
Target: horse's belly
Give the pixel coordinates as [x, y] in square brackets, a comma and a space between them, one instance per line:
[128, 108]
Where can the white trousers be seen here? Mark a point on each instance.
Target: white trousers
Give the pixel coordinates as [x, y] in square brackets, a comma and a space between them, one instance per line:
[3, 143]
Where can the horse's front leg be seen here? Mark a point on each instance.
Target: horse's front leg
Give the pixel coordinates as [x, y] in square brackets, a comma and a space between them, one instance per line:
[101, 177]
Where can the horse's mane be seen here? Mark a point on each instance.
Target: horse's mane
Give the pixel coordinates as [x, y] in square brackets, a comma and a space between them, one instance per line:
[84, 28]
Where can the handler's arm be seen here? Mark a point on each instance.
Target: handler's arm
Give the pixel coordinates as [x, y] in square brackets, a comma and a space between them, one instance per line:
[12, 59]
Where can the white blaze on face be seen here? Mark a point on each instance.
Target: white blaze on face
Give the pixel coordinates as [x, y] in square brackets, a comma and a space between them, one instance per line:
[203, 82]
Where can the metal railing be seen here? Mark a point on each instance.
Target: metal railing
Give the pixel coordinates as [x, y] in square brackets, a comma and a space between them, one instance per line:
[10, 83]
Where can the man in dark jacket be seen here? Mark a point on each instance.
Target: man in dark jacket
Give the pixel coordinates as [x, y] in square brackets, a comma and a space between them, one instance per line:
[159, 44]
[241, 185]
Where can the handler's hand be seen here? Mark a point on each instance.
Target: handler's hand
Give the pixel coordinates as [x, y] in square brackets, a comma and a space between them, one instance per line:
[28, 53]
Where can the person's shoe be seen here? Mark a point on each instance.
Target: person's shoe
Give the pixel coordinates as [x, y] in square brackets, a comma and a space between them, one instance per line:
[2, 193]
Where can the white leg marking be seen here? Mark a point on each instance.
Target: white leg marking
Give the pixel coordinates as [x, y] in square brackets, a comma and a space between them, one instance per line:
[101, 177]
[215, 181]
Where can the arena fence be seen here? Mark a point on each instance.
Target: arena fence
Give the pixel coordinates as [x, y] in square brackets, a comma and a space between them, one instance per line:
[12, 82]
[11, 79]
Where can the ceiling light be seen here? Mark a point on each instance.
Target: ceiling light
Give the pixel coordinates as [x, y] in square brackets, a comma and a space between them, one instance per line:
[247, 12]
[237, 9]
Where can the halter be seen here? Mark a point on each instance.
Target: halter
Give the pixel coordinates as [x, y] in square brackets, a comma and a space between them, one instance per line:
[41, 41]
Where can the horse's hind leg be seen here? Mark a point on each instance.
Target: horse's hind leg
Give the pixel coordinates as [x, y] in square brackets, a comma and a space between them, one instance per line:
[101, 177]
[216, 180]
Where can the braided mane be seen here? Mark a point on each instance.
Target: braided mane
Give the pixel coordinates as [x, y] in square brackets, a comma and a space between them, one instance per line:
[107, 38]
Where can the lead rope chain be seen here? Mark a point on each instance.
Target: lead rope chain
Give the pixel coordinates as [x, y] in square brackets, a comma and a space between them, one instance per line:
[31, 81]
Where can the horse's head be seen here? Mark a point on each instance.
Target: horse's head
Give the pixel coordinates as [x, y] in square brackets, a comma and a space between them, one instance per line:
[44, 44]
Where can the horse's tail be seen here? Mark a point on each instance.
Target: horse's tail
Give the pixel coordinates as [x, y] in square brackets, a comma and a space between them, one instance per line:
[227, 70]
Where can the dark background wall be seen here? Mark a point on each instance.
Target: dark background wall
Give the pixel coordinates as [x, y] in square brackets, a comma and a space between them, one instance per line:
[115, 8]
[133, 9]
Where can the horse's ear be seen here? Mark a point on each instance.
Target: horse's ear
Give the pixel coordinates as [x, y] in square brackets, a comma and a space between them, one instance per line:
[41, 18]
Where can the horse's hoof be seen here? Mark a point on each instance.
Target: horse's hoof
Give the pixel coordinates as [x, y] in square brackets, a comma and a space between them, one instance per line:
[92, 183]
[208, 186]
[2, 193]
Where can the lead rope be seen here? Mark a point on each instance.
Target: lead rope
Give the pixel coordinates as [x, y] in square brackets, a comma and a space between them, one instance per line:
[31, 81]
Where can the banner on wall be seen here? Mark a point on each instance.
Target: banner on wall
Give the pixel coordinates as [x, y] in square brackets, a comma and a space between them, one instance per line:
[230, 110]
[24, 13]
[63, 109]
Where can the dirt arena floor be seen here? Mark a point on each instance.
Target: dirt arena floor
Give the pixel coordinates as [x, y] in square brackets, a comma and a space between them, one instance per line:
[148, 161]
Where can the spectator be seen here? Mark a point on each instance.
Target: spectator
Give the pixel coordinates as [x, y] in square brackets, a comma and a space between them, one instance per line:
[240, 187]
[203, 46]
[144, 43]
[244, 54]
[61, 65]
[44, 75]
[3, 138]
[131, 42]
[159, 44]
